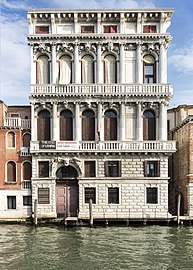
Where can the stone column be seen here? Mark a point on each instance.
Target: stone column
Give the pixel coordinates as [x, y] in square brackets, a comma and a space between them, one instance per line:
[100, 129]
[162, 122]
[77, 122]
[53, 24]
[33, 67]
[139, 70]
[76, 25]
[99, 65]
[122, 63]
[139, 23]
[162, 66]
[122, 122]
[55, 122]
[139, 129]
[98, 23]
[76, 64]
[33, 124]
[53, 63]
[122, 23]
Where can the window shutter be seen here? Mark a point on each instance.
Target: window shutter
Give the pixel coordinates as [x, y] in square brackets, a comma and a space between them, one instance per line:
[158, 168]
[145, 168]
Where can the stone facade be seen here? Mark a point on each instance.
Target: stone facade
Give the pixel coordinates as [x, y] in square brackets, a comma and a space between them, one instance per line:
[99, 97]
[15, 186]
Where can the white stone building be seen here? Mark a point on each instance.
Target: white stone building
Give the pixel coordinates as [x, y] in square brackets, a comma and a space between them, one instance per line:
[99, 96]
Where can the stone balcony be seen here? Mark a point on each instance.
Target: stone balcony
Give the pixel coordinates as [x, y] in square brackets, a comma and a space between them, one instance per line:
[101, 90]
[107, 146]
[14, 122]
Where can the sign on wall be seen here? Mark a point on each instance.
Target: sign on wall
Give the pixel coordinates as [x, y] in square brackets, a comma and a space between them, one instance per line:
[67, 145]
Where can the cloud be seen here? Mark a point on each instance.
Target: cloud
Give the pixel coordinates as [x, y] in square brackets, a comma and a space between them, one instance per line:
[182, 58]
[15, 5]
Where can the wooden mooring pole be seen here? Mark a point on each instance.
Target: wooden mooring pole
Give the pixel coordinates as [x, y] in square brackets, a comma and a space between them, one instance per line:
[90, 213]
[35, 213]
[178, 209]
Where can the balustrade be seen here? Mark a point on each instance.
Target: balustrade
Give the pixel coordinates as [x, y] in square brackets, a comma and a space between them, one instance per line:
[17, 122]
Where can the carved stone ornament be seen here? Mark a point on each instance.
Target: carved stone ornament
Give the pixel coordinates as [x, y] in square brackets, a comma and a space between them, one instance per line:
[42, 48]
[150, 47]
[130, 47]
[110, 47]
[64, 47]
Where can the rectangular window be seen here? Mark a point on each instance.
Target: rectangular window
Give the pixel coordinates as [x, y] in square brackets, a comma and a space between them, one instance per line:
[43, 195]
[27, 200]
[89, 169]
[42, 29]
[90, 193]
[112, 169]
[113, 195]
[152, 195]
[149, 29]
[11, 202]
[14, 115]
[151, 168]
[87, 29]
[43, 168]
[110, 28]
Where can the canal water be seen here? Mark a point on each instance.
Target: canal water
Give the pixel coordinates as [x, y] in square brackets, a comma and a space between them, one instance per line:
[141, 248]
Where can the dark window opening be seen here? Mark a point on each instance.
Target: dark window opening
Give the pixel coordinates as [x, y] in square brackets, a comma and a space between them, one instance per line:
[151, 168]
[112, 169]
[11, 202]
[90, 193]
[89, 169]
[110, 28]
[113, 195]
[43, 168]
[87, 29]
[149, 29]
[152, 195]
[67, 172]
[42, 29]
[27, 200]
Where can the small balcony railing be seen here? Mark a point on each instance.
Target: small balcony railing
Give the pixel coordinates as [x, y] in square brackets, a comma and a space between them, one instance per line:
[25, 151]
[17, 122]
[26, 184]
[101, 89]
[101, 146]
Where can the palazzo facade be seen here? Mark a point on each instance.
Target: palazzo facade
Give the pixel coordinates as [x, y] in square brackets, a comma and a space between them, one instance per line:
[99, 97]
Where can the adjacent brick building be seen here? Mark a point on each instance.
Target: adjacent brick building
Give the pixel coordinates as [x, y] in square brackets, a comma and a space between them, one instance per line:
[15, 161]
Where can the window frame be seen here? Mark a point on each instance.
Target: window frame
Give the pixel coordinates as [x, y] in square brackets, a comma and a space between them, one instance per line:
[150, 200]
[117, 163]
[87, 25]
[45, 199]
[44, 174]
[113, 195]
[40, 32]
[92, 174]
[110, 30]
[149, 28]
[27, 200]
[87, 197]
[155, 172]
[7, 139]
[7, 180]
[13, 202]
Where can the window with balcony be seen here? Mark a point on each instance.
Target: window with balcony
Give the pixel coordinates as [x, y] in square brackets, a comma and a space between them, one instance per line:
[43, 70]
[26, 140]
[43, 168]
[113, 195]
[87, 28]
[11, 202]
[90, 193]
[110, 69]
[43, 126]
[42, 29]
[27, 200]
[149, 29]
[43, 195]
[110, 125]
[27, 170]
[149, 67]
[152, 195]
[11, 139]
[90, 169]
[87, 69]
[11, 172]
[149, 125]
[66, 125]
[151, 168]
[88, 125]
[112, 168]
[110, 28]
[65, 70]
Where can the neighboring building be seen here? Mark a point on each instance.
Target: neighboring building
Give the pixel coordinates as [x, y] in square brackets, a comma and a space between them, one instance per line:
[99, 97]
[181, 163]
[15, 161]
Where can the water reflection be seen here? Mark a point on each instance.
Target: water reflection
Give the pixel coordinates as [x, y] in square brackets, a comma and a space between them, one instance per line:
[151, 247]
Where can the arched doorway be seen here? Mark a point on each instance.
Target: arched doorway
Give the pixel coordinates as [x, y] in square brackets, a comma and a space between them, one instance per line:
[67, 193]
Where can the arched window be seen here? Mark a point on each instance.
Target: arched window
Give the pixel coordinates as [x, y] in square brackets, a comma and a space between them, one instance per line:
[27, 170]
[11, 171]
[149, 125]
[11, 139]
[149, 69]
[110, 125]
[26, 140]
[87, 75]
[110, 69]
[67, 172]
[88, 125]
[66, 125]
[43, 125]
[43, 70]
[65, 70]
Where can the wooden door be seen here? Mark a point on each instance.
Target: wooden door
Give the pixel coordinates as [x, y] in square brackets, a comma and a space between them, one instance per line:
[61, 202]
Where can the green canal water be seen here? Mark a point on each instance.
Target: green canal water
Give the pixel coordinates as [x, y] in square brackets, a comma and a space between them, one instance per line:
[151, 247]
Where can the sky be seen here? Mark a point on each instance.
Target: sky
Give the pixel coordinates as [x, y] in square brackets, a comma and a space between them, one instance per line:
[15, 56]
